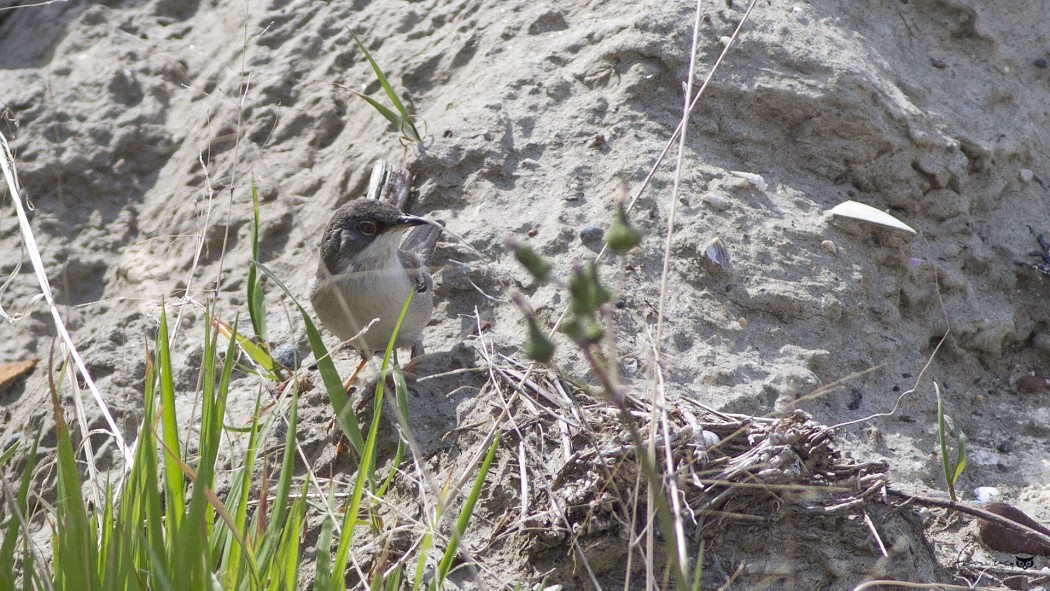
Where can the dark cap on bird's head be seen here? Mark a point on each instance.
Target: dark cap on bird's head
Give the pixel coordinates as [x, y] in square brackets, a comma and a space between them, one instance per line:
[356, 225]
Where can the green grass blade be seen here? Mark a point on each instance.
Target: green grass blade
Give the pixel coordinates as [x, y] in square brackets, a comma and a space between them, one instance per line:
[14, 521]
[75, 544]
[240, 490]
[406, 118]
[259, 354]
[174, 488]
[108, 544]
[287, 564]
[344, 412]
[195, 534]
[400, 392]
[278, 516]
[421, 561]
[464, 516]
[323, 566]
[960, 454]
[364, 470]
[256, 301]
[698, 573]
[401, 398]
[9, 453]
[942, 438]
[395, 119]
[141, 502]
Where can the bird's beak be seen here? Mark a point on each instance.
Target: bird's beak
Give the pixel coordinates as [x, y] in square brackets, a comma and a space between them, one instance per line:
[407, 221]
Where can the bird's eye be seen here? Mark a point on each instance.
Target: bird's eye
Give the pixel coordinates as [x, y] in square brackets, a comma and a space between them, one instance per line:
[368, 228]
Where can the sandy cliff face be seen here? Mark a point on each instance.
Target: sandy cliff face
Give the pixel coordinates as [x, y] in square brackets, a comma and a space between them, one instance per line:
[138, 128]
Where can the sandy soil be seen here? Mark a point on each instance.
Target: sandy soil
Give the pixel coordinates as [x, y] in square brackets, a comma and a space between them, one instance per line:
[138, 126]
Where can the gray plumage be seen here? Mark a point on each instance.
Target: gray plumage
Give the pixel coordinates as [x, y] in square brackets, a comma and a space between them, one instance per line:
[366, 273]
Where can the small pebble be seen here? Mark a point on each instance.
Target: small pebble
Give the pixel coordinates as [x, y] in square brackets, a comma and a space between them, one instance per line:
[629, 366]
[938, 63]
[873, 435]
[855, 398]
[829, 247]
[1005, 446]
[1031, 384]
[1026, 175]
[710, 439]
[530, 163]
[742, 322]
[533, 232]
[1040, 63]
[799, 12]
[591, 234]
[11, 441]
[716, 202]
[288, 355]
[985, 494]
[725, 40]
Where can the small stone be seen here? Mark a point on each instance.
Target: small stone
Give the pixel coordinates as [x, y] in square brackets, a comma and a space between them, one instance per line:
[855, 398]
[1026, 175]
[985, 494]
[11, 441]
[630, 366]
[710, 438]
[716, 202]
[725, 40]
[1040, 63]
[530, 163]
[1031, 384]
[873, 435]
[288, 355]
[799, 12]
[742, 322]
[533, 232]
[1005, 446]
[829, 247]
[591, 234]
[938, 63]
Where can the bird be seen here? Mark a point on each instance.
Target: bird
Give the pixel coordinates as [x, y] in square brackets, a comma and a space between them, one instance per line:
[366, 273]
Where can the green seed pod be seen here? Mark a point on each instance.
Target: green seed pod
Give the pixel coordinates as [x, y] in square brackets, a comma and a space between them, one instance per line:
[583, 330]
[539, 267]
[587, 294]
[622, 236]
[539, 348]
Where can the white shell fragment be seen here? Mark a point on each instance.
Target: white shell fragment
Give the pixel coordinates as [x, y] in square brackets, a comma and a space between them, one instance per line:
[867, 213]
[715, 257]
[755, 180]
[716, 201]
[985, 494]
[715, 252]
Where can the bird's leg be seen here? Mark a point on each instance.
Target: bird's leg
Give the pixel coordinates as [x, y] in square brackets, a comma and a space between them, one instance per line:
[349, 381]
[416, 356]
